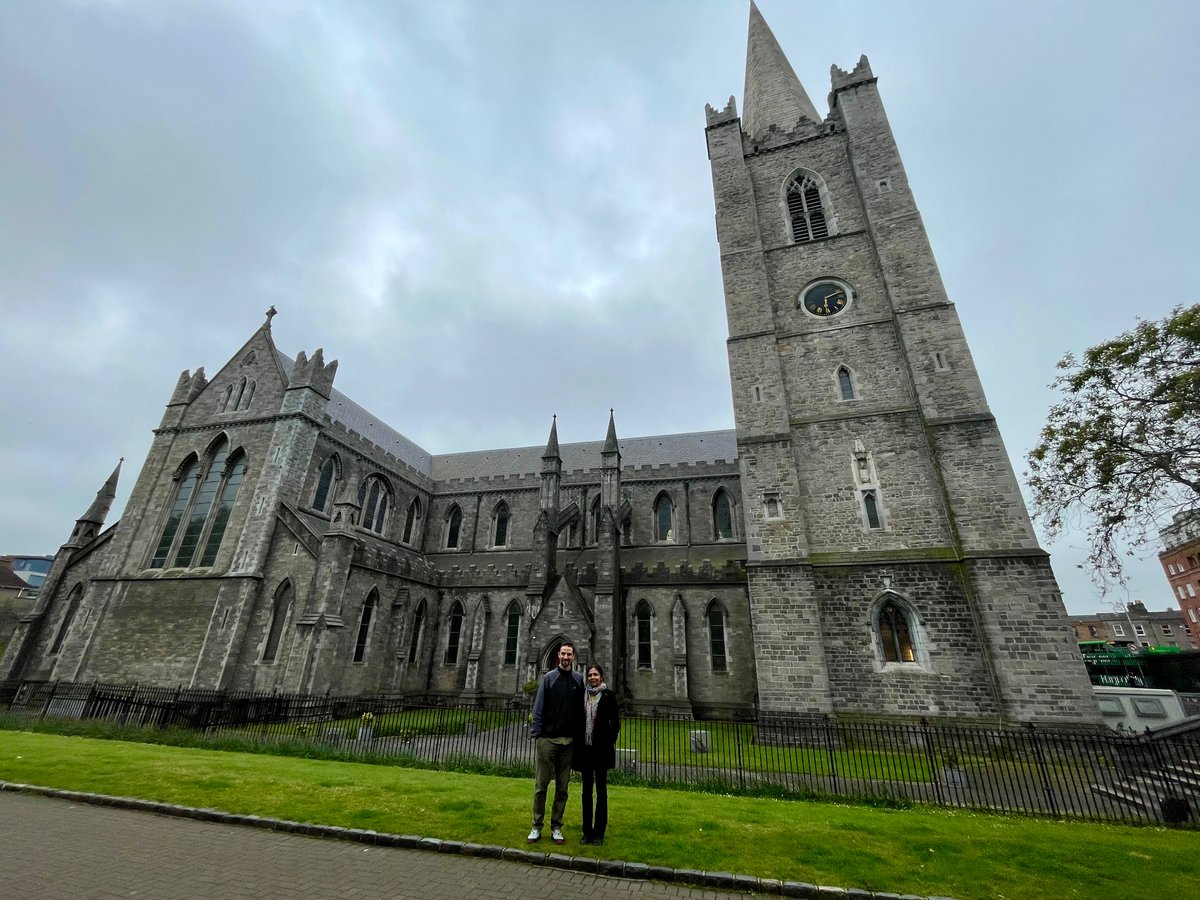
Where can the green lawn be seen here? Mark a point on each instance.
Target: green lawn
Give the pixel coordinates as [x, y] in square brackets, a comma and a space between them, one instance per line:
[921, 851]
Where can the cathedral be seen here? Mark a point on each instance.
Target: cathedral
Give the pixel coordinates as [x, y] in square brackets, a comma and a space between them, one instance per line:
[858, 545]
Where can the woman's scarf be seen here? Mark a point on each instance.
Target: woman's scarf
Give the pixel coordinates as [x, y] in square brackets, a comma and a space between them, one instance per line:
[591, 702]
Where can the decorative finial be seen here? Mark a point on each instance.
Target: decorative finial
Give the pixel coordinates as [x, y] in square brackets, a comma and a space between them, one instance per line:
[271, 313]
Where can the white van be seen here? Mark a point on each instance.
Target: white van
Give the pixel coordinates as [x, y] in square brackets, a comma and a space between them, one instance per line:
[1134, 709]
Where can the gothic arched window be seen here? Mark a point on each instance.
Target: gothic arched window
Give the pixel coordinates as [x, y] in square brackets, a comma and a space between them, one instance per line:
[807, 215]
[513, 635]
[500, 525]
[375, 498]
[642, 617]
[722, 516]
[845, 383]
[364, 626]
[204, 496]
[453, 527]
[418, 627]
[895, 634]
[412, 521]
[664, 518]
[279, 612]
[325, 484]
[454, 633]
[715, 618]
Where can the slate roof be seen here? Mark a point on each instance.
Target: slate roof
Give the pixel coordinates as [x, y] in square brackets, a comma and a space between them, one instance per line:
[346, 412]
[658, 450]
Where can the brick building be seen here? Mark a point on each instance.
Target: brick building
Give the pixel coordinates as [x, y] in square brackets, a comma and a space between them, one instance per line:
[1180, 559]
[1137, 627]
[858, 545]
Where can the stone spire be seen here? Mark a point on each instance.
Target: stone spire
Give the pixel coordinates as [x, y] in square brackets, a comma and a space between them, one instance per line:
[773, 95]
[610, 440]
[552, 444]
[89, 524]
[98, 511]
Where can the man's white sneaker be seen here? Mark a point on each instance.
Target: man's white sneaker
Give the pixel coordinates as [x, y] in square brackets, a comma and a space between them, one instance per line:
[534, 836]
[557, 836]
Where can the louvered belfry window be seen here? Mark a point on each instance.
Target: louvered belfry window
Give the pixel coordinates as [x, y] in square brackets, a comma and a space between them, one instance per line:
[805, 210]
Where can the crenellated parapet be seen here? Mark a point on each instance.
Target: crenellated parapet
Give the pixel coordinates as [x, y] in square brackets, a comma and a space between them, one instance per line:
[721, 116]
[312, 372]
[684, 572]
[860, 74]
[493, 575]
[775, 137]
[400, 564]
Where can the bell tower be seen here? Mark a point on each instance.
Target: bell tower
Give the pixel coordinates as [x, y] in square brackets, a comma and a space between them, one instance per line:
[890, 557]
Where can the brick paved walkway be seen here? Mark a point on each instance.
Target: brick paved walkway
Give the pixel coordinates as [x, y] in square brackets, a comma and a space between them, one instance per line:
[51, 848]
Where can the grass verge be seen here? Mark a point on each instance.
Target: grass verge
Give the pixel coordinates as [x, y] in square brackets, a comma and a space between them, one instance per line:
[921, 851]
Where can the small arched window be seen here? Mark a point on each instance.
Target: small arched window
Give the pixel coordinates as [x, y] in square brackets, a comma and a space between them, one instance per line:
[68, 617]
[374, 496]
[664, 518]
[627, 532]
[225, 398]
[716, 636]
[241, 390]
[895, 634]
[418, 628]
[412, 521]
[454, 633]
[325, 483]
[871, 507]
[845, 383]
[500, 525]
[722, 516]
[279, 613]
[453, 527]
[642, 619]
[513, 635]
[364, 626]
[807, 215]
[248, 396]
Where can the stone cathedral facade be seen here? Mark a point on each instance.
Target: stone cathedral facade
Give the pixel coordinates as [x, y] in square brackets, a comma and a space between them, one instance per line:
[857, 546]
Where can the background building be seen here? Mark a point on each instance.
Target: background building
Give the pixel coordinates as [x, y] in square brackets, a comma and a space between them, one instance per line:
[1136, 627]
[1180, 559]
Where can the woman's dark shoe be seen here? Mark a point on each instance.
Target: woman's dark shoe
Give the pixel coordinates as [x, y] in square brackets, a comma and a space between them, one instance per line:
[586, 840]
[596, 842]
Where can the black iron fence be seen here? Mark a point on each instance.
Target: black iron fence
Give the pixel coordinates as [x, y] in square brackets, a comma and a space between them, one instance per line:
[1089, 774]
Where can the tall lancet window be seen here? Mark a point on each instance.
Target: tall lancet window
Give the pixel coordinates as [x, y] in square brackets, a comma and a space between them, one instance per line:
[806, 209]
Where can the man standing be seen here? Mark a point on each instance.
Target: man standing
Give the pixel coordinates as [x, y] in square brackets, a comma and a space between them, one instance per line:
[557, 718]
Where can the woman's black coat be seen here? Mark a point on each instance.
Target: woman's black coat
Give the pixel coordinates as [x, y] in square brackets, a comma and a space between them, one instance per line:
[602, 753]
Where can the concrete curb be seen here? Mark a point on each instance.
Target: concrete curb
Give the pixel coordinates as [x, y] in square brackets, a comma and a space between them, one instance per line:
[724, 881]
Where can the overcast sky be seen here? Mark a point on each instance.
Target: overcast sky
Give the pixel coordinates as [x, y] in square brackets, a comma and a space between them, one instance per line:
[490, 212]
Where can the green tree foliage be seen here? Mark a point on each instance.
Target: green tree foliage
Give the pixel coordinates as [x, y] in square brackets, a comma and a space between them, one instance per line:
[1120, 452]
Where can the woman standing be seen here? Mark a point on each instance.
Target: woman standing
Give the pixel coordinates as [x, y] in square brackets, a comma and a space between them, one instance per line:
[595, 751]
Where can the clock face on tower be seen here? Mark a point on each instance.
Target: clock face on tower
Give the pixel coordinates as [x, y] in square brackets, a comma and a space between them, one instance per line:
[826, 298]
